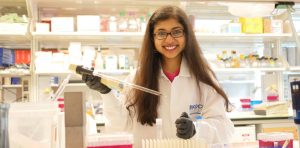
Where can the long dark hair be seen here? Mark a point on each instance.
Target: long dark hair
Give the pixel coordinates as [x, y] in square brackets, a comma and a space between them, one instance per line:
[144, 104]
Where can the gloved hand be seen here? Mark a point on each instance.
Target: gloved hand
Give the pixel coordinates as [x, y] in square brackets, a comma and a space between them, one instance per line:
[93, 82]
[185, 127]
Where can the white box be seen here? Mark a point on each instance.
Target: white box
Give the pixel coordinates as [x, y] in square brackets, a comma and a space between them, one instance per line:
[244, 134]
[42, 27]
[88, 23]
[62, 24]
[13, 28]
[277, 26]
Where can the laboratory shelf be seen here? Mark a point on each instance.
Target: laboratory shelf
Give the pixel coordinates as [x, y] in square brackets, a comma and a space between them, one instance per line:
[15, 39]
[248, 69]
[237, 81]
[107, 38]
[108, 72]
[137, 36]
[242, 37]
[12, 86]
[294, 68]
[4, 73]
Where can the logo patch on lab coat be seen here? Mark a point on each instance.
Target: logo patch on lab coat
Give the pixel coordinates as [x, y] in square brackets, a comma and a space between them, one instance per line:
[195, 109]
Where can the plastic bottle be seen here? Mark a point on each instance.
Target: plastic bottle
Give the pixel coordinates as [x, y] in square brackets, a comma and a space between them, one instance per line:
[235, 63]
[122, 23]
[112, 24]
[159, 134]
[198, 125]
[132, 22]
[99, 61]
[143, 24]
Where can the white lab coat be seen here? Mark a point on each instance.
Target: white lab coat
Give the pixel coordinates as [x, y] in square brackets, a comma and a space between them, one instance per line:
[181, 95]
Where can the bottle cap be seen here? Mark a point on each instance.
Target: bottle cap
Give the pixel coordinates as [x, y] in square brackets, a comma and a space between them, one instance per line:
[199, 117]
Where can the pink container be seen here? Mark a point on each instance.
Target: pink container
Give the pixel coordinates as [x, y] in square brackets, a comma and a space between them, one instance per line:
[245, 103]
[275, 139]
[112, 146]
[115, 140]
[272, 98]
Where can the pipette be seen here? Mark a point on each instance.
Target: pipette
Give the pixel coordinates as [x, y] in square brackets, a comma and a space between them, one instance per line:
[111, 81]
[61, 88]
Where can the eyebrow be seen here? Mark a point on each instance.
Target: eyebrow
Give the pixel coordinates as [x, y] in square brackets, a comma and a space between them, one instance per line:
[171, 29]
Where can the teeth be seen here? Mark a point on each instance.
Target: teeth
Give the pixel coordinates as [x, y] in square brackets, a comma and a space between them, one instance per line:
[170, 47]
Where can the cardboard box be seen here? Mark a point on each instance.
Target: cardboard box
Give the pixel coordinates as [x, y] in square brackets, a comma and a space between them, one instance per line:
[267, 25]
[244, 134]
[277, 26]
[282, 127]
[62, 24]
[88, 23]
[287, 27]
[42, 27]
[252, 25]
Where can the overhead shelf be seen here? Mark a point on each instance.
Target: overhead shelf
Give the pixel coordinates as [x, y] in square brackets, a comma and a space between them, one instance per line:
[135, 37]
[14, 73]
[123, 38]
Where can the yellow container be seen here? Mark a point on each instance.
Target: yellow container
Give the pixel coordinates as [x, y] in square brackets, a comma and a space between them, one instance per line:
[252, 25]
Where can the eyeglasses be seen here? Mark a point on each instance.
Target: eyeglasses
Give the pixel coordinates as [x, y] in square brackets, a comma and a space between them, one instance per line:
[176, 33]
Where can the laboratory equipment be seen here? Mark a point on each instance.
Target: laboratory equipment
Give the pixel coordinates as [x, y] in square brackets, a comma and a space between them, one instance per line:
[32, 125]
[112, 140]
[275, 140]
[109, 81]
[174, 143]
[61, 88]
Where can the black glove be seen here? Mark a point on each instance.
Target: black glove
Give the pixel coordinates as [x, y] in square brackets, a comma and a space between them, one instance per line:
[93, 82]
[185, 127]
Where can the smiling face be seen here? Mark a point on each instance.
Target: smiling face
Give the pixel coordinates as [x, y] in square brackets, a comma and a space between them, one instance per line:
[174, 43]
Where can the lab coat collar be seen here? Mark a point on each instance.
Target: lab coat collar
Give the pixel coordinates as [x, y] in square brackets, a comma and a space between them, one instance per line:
[184, 69]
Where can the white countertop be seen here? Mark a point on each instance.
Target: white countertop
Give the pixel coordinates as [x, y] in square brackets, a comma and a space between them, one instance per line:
[251, 115]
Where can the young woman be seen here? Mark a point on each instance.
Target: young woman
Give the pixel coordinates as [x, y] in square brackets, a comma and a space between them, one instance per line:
[172, 63]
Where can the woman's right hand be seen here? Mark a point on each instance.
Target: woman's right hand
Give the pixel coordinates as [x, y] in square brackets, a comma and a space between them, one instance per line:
[94, 82]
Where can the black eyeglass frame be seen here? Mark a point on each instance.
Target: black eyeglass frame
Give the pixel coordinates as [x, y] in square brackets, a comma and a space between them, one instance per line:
[169, 33]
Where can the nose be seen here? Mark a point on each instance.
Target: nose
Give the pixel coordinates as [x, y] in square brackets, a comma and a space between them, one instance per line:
[169, 38]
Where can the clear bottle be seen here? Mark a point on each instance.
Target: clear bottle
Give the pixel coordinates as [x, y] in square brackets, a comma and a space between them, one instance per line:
[132, 22]
[159, 133]
[99, 61]
[242, 61]
[198, 125]
[122, 23]
[235, 63]
[112, 24]
[143, 24]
